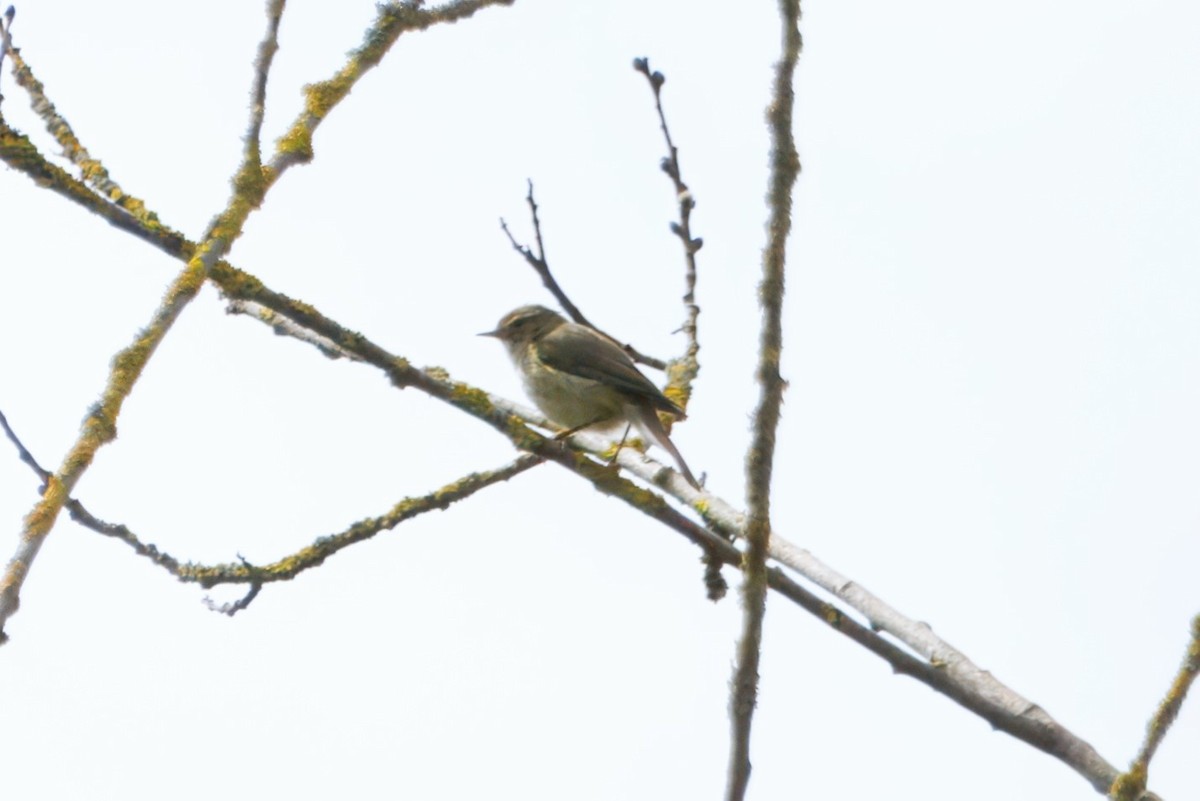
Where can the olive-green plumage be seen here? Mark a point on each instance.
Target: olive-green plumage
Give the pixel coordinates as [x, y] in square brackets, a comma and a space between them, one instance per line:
[580, 379]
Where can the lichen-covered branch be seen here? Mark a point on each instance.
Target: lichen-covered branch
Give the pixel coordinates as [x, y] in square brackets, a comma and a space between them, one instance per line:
[94, 173]
[392, 19]
[250, 187]
[98, 429]
[290, 566]
[1131, 785]
[785, 166]
[267, 49]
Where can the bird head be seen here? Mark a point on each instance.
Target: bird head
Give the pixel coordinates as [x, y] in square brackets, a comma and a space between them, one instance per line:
[526, 324]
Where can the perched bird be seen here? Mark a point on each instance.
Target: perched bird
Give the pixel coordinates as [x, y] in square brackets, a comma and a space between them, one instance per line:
[580, 379]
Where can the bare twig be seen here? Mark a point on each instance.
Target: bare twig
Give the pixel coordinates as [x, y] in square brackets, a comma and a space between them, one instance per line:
[234, 607]
[682, 373]
[785, 165]
[285, 327]
[539, 264]
[24, 454]
[267, 49]
[538, 260]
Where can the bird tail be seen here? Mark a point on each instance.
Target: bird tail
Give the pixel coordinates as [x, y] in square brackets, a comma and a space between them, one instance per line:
[647, 420]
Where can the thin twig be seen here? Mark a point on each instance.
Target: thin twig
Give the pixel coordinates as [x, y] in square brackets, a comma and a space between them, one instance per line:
[785, 165]
[314, 554]
[232, 608]
[267, 49]
[1168, 710]
[539, 264]
[285, 327]
[682, 373]
[24, 454]
[1131, 785]
[6, 36]
[538, 260]
[324, 547]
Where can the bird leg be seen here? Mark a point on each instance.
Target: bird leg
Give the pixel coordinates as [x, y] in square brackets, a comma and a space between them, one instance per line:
[561, 435]
[621, 444]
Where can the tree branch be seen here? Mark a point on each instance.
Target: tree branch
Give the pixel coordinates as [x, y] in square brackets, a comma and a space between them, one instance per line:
[287, 568]
[250, 187]
[1131, 785]
[539, 264]
[785, 166]
[681, 373]
[6, 36]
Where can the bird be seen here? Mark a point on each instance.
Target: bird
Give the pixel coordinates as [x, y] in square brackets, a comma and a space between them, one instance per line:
[579, 378]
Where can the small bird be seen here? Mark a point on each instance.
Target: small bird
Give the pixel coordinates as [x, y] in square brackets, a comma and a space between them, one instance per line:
[580, 379]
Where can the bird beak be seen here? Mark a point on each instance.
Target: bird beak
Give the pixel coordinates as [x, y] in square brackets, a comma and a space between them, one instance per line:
[498, 334]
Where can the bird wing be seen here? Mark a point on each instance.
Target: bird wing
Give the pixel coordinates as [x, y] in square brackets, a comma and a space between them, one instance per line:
[579, 351]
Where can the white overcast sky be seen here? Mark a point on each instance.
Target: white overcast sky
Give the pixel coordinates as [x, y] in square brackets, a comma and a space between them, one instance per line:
[992, 342]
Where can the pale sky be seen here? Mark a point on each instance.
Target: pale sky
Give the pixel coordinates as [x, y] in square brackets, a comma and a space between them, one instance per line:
[992, 339]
